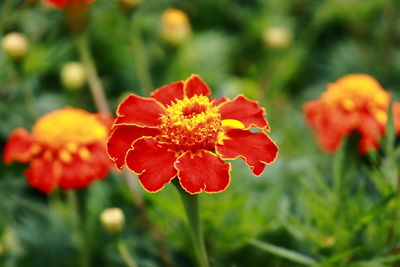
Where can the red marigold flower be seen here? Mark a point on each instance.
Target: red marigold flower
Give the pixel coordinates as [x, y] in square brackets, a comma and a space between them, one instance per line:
[356, 102]
[66, 148]
[180, 131]
[396, 116]
[63, 3]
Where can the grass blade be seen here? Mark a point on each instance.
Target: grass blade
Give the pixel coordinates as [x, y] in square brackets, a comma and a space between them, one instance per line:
[283, 252]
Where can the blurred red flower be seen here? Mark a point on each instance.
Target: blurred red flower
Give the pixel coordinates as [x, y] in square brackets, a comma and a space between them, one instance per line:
[396, 116]
[63, 3]
[356, 102]
[180, 131]
[66, 148]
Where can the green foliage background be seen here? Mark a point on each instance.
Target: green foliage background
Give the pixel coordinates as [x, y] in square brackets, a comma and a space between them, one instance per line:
[308, 208]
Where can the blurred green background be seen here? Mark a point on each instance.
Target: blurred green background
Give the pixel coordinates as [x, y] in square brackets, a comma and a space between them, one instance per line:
[279, 52]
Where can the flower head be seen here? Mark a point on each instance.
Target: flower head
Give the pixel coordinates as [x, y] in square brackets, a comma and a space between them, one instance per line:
[356, 102]
[396, 117]
[73, 75]
[181, 132]
[15, 45]
[175, 26]
[66, 148]
[113, 219]
[277, 37]
[65, 3]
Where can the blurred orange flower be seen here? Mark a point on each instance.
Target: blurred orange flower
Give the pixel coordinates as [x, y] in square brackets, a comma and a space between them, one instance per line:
[356, 102]
[396, 116]
[181, 132]
[175, 26]
[66, 148]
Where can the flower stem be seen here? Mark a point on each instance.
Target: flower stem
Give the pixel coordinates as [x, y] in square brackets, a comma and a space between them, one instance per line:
[133, 186]
[26, 89]
[79, 227]
[7, 5]
[191, 205]
[141, 60]
[123, 251]
[95, 84]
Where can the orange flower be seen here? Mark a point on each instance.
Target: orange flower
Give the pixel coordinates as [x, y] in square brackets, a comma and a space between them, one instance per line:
[175, 26]
[181, 132]
[66, 148]
[396, 116]
[356, 102]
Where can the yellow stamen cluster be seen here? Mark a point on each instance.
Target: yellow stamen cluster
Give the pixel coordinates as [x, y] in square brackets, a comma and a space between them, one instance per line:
[191, 123]
[358, 92]
[67, 131]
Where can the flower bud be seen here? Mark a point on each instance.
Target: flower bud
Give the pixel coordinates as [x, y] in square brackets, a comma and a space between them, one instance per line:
[113, 219]
[73, 75]
[129, 5]
[15, 45]
[175, 26]
[278, 37]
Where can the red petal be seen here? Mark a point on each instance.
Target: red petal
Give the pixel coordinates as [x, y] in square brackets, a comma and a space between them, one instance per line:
[396, 116]
[153, 162]
[329, 138]
[18, 147]
[219, 101]
[168, 93]
[121, 140]
[80, 173]
[257, 149]
[106, 119]
[44, 174]
[203, 171]
[58, 3]
[371, 131]
[100, 161]
[76, 174]
[329, 126]
[246, 111]
[140, 111]
[195, 86]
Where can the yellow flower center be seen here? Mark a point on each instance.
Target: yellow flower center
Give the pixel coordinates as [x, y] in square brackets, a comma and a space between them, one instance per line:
[191, 123]
[358, 92]
[68, 129]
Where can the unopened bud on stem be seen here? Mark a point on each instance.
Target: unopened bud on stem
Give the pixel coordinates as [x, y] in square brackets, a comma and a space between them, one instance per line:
[277, 37]
[113, 219]
[129, 5]
[175, 26]
[15, 45]
[73, 75]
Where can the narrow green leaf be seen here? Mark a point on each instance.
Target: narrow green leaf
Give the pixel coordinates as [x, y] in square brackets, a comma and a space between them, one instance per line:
[283, 252]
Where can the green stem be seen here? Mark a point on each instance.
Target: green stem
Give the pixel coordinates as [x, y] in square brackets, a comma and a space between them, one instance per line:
[134, 188]
[338, 168]
[26, 90]
[95, 84]
[191, 205]
[79, 227]
[6, 8]
[141, 61]
[123, 251]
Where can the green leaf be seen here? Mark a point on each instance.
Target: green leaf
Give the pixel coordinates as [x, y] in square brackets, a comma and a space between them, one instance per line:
[283, 252]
